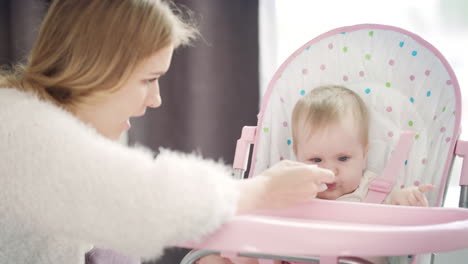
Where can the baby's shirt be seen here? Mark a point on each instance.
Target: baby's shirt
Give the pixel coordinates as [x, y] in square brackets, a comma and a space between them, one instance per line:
[360, 193]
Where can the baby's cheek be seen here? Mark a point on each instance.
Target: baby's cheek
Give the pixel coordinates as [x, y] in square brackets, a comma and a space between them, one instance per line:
[355, 180]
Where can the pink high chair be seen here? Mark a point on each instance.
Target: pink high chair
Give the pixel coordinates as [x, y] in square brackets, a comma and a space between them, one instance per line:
[414, 99]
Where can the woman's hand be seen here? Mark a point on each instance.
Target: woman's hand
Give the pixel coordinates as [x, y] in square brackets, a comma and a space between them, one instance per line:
[412, 196]
[286, 184]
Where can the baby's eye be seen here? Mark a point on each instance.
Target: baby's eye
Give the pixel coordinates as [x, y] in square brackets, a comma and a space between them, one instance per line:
[316, 160]
[343, 158]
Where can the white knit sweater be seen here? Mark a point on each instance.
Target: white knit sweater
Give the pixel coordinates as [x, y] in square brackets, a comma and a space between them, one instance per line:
[63, 188]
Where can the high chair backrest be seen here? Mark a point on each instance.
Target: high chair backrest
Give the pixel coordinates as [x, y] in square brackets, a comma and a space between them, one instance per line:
[406, 83]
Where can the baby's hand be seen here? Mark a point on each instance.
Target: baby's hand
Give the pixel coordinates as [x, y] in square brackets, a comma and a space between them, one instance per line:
[412, 196]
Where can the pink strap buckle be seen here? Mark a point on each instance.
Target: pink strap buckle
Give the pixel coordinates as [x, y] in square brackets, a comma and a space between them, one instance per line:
[381, 185]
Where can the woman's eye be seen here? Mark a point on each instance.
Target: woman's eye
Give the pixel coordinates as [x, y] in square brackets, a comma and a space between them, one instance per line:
[343, 158]
[150, 81]
[316, 160]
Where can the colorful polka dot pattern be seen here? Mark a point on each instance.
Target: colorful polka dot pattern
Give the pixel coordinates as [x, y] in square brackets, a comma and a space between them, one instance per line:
[404, 66]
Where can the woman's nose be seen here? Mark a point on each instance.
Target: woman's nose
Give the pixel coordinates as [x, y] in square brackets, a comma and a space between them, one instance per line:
[154, 98]
[155, 101]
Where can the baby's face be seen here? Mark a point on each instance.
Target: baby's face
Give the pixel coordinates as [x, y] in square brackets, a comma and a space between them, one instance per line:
[339, 148]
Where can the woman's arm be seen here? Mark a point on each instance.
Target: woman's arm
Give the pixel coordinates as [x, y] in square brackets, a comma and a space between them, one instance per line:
[61, 177]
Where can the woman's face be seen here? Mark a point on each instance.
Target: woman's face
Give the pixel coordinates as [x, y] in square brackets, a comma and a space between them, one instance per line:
[110, 115]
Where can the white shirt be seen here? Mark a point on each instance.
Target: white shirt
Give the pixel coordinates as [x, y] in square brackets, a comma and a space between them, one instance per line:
[360, 194]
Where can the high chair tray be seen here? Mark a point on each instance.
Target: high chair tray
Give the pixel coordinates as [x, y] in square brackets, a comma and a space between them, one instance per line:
[324, 227]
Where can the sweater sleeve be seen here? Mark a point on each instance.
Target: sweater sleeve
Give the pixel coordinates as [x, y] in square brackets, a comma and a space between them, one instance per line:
[64, 178]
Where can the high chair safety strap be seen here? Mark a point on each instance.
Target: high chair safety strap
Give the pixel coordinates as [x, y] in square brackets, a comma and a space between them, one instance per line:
[380, 187]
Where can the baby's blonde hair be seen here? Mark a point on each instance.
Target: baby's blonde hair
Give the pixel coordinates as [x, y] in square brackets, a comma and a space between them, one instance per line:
[87, 47]
[328, 104]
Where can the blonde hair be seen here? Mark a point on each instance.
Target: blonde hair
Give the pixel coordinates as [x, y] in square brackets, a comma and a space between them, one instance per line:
[327, 104]
[85, 47]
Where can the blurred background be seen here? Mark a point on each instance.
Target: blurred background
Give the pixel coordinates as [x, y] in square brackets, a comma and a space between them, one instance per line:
[214, 88]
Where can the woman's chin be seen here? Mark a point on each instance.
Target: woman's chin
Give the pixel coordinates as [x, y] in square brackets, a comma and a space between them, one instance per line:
[113, 135]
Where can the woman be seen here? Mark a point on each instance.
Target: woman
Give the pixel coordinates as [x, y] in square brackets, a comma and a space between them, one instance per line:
[67, 185]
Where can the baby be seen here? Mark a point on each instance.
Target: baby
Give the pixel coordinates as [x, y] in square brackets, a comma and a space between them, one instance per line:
[330, 127]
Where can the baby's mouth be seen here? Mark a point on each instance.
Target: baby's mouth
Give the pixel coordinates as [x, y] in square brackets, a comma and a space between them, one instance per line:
[331, 185]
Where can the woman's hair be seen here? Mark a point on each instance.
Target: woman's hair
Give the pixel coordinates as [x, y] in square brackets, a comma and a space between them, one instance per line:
[327, 104]
[88, 46]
